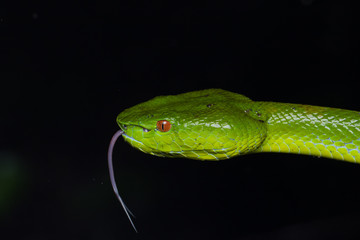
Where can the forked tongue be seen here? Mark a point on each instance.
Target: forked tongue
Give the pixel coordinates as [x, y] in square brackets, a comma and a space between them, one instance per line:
[112, 177]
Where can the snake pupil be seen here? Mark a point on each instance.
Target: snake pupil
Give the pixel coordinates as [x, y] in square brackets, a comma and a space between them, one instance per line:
[163, 125]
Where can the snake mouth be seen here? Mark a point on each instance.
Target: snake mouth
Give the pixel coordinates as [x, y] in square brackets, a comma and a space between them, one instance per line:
[135, 136]
[124, 127]
[130, 134]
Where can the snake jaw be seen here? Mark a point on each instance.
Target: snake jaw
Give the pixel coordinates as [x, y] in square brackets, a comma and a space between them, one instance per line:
[134, 134]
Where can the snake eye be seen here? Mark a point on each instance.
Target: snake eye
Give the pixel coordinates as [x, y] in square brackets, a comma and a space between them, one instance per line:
[163, 125]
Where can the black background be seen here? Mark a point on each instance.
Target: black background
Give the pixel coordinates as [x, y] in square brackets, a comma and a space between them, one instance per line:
[67, 70]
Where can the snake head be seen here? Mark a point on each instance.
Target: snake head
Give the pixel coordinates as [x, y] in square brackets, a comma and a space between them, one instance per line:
[203, 125]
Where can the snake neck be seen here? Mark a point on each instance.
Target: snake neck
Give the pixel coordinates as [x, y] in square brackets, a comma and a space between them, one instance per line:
[303, 129]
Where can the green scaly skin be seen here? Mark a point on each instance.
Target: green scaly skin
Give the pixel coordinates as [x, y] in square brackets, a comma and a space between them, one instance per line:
[215, 124]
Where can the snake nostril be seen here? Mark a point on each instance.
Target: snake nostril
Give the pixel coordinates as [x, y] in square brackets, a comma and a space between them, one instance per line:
[124, 126]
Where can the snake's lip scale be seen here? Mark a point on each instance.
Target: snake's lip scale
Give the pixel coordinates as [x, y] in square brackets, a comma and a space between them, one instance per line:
[124, 127]
[132, 139]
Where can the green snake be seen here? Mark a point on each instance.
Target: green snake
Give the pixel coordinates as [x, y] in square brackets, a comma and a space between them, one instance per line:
[215, 124]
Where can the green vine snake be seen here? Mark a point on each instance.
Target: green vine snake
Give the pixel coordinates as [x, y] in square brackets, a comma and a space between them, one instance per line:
[215, 124]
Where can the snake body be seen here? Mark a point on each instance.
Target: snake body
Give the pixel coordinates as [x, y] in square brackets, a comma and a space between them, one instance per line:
[215, 124]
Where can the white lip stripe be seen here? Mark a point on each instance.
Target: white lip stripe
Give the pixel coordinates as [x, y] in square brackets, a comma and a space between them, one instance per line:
[132, 139]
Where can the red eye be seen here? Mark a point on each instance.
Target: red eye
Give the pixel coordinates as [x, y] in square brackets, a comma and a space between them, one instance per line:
[163, 125]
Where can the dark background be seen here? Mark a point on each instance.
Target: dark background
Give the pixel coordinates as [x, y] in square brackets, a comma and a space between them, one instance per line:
[67, 70]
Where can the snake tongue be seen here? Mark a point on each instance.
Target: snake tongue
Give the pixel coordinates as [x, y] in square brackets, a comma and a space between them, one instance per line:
[112, 176]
